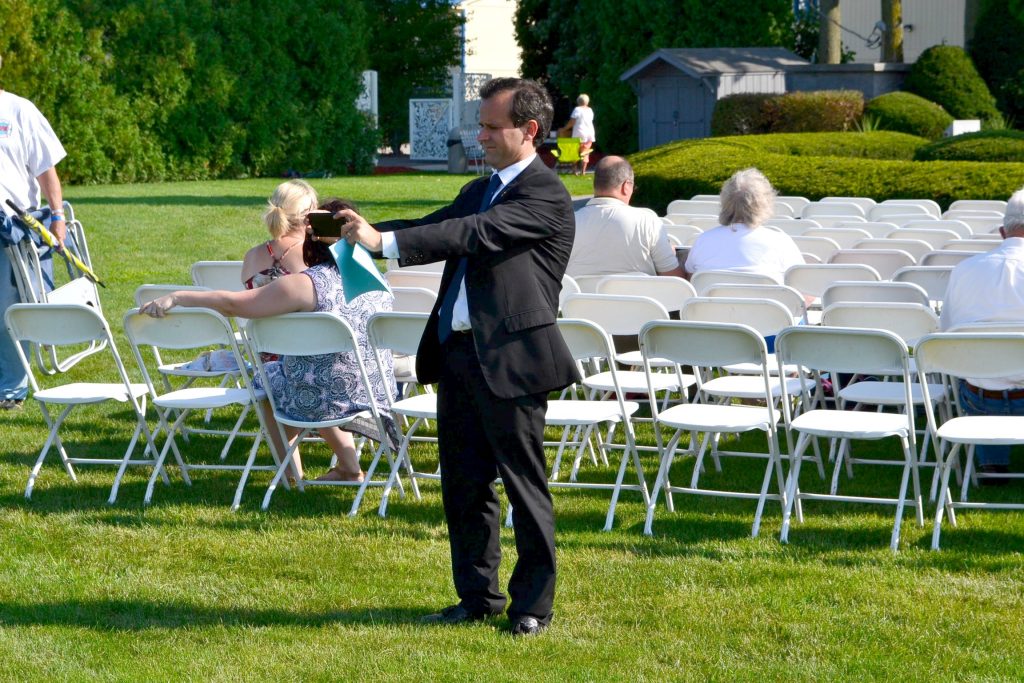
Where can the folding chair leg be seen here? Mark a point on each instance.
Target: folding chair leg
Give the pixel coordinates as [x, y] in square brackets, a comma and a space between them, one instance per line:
[792, 486]
[50, 440]
[629, 451]
[282, 468]
[661, 482]
[128, 459]
[245, 472]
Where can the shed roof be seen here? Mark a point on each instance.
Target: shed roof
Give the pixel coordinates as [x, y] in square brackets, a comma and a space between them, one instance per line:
[710, 61]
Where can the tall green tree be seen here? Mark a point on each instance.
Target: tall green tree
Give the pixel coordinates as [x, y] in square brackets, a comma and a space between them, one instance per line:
[412, 45]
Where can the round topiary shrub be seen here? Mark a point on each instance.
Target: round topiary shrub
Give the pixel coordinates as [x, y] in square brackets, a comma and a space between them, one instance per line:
[817, 111]
[989, 145]
[908, 113]
[946, 75]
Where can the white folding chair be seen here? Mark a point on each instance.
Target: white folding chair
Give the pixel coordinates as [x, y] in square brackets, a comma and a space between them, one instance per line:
[857, 351]
[874, 228]
[58, 325]
[705, 223]
[433, 267]
[684, 233]
[692, 208]
[877, 292]
[709, 346]
[792, 226]
[844, 237]
[977, 355]
[976, 245]
[703, 279]
[413, 299]
[795, 201]
[916, 248]
[934, 237]
[841, 221]
[891, 212]
[812, 279]
[980, 222]
[821, 248]
[998, 205]
[961, 229]
[414, 278]
[945, 257]
[587, 284]
[190, 329]
[815, 209]
[317, 334]
[965, 214]
[932, 279]
[884, 261]
[569, 286]
[787, 296]
[226, 275]
[672, 292]
[400, 334]
[930, 206]
[865, 203]
[705, 198]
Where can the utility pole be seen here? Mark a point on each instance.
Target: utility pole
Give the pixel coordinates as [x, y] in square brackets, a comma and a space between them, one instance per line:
[892, 40]
[829, 47]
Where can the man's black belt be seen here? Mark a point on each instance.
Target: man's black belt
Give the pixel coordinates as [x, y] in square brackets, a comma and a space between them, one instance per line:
[999, 395]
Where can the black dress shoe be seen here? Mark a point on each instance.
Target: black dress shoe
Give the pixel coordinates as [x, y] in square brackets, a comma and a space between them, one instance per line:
[527, 626]
[12, 404]
[455, 614]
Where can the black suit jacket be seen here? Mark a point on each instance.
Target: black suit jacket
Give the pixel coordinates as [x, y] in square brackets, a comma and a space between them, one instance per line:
[516, 253]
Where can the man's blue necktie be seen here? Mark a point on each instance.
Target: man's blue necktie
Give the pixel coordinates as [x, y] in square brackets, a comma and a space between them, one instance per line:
[444, 320]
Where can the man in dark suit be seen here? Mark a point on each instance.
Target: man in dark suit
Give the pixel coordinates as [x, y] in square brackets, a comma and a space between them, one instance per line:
[492, 345]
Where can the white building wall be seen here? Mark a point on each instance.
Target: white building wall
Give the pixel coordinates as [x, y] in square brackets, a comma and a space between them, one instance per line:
[490, 34]
[925, 23]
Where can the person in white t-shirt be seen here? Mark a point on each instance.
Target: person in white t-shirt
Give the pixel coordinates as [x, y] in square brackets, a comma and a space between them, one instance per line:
[614, 237]
[740, 243]
[29, 152]
[989, 287]
[582, 121]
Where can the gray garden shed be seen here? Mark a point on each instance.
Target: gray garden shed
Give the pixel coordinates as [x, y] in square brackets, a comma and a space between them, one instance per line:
[677, 88]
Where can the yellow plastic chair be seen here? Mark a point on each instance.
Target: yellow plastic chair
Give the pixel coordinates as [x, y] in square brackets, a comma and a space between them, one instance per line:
[568, 153]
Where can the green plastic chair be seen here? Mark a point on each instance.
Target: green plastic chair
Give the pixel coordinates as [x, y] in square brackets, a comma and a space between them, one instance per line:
[567, 154]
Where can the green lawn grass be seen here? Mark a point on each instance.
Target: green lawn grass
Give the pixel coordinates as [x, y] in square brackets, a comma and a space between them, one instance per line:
[187, 590]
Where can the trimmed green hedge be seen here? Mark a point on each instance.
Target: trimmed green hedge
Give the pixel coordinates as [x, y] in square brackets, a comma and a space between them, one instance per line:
[908, 113]
[988, 145]
[847, 164]
[946, 75]
[795, 112]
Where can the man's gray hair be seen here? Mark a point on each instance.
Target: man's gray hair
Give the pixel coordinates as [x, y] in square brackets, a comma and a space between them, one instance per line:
[1013, 219]
[748, 198]
[611, 172]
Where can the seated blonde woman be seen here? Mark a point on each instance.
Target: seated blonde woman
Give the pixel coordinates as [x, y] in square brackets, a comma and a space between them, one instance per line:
[306, 387]
[741, 243]
[285, 219]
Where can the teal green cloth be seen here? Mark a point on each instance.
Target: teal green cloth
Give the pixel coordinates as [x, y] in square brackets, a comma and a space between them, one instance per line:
[359, 273]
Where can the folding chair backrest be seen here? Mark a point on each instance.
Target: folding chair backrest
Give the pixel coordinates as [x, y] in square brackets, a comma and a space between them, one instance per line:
[684, 233]
[848, 350]
[226, 275]
[146, 293]
[814, 279]
[413, 299]
[763, 315]
[820, 247]
[585, 339]
[844, 237]
[885, 261]
[415, 278]
[56, 324]
[831, 209]
[792, 226]
[398, 331]
[874, 228]
[945, 257]
[301, 334]
[979, 205]
[929, 205]
[972, 245]
[787, 296]
[671, 292]
[703, 279]
[935, 237]
[961, 229]
[692, 208]
[797, 202]
[980, 355]
[864, 203]
[932, 279]
[979, 224]
[182, 328]
[702, 343]
[916, 248]
[908, 321]
[614, 313]
[879, 292]
[887, 212]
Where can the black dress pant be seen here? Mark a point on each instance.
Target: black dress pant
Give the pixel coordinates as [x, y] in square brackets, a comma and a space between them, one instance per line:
[482, 436]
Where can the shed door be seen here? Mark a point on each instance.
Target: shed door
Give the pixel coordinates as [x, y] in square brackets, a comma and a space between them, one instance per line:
[676, 110]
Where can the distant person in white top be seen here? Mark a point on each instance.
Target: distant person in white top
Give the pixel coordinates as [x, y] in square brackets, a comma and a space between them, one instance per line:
[582, 121]
[614, 237]
[989, 287]
[740, 243]
[29, 152]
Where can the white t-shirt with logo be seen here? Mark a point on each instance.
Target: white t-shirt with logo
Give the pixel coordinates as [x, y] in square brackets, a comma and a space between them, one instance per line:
[28, 148]
[749, 250]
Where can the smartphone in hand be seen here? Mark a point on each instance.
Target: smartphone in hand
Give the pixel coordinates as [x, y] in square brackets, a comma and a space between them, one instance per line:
[324, 224]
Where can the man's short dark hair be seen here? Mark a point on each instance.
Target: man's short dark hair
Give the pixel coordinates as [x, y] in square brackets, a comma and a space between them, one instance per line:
[611, 172]
[529, 101]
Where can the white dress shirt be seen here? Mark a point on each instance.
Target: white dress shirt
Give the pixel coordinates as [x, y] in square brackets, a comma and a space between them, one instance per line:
[989, 288]
[460, 313]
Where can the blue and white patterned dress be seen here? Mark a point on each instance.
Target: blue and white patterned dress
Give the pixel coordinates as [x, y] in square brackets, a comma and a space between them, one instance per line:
[328, 387]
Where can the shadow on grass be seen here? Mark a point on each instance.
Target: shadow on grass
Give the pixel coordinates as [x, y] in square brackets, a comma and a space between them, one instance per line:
[140, 615]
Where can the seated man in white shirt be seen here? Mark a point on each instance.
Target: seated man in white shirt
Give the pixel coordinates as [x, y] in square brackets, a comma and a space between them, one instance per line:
[989, 287]
[614, 237]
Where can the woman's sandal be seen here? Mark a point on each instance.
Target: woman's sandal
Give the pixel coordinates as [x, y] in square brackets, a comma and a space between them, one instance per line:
[334, 474]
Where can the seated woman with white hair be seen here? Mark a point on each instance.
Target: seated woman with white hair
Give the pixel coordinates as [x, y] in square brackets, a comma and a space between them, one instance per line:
[740, 243]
